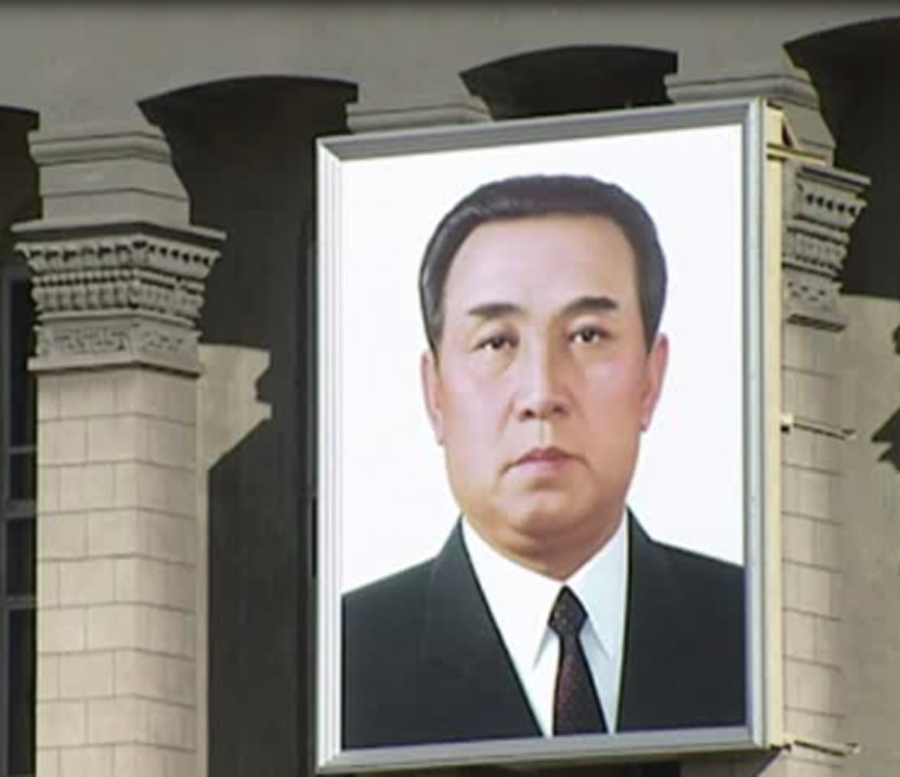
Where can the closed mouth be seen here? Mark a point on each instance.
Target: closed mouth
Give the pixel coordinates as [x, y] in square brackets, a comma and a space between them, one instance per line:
[549, 456]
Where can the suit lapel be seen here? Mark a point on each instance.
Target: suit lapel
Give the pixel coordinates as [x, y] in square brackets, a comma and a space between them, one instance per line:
[474, 680]
[658, 672]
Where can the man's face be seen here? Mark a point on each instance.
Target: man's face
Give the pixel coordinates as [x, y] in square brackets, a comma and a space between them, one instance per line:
[542, 385]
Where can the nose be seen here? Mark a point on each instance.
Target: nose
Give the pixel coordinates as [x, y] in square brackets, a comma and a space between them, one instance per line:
[541, 394]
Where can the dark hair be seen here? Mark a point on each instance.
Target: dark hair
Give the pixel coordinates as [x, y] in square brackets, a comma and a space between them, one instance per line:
[543, 195]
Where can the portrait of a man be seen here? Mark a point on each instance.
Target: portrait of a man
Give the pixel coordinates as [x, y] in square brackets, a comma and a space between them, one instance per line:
[549, 610]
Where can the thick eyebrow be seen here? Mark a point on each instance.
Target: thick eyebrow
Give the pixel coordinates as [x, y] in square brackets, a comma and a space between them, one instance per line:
[489, 310]
[578, 306]
[582, 305]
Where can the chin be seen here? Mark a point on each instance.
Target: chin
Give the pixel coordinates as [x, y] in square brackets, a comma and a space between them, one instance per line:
[544, 519]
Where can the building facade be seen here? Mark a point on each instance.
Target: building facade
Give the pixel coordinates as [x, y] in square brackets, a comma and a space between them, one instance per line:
[157, 299]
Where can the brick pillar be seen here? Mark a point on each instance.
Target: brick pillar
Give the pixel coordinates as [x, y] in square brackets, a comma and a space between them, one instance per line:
[818, 206]
[118, 279]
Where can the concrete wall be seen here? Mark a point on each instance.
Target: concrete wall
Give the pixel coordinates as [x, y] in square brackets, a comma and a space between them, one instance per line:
[400, 54]
[871, 535]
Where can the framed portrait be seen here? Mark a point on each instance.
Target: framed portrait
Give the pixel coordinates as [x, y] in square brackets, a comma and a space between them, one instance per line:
[398, 516]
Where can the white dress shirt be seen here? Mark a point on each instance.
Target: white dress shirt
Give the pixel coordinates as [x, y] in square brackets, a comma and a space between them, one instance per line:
[520, 601]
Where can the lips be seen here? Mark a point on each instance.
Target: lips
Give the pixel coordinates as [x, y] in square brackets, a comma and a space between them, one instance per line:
[543, 458]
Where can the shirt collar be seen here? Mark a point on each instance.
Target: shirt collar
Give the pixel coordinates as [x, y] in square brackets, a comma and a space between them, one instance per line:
[521, 599]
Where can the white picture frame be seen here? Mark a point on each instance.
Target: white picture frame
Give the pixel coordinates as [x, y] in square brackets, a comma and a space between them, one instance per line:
[384, 504]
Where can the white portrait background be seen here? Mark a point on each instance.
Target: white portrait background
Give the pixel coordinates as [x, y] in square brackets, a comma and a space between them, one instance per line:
[689, 491]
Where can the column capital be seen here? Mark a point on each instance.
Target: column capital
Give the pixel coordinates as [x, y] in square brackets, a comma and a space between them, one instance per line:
[110, 293]
[821, 204]
[118, 272]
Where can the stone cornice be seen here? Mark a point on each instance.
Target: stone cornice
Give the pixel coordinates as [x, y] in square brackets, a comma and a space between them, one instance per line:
[117, 292]
[786, 85]
[780, 83]
[89, 144]
[367, 118]
[108, 170]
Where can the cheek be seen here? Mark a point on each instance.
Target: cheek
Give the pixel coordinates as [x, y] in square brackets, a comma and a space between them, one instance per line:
[471, 423]
[476, 402]
[614, 396]
[616, 378]
[473, 429]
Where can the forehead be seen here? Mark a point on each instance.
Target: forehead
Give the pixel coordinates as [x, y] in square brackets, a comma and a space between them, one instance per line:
[542, 256]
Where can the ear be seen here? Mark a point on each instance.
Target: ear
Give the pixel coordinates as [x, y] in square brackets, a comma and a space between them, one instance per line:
[657, 361]
[431, 388]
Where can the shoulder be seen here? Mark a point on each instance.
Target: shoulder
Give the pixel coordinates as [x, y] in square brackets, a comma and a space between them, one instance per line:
[400, 601]
[704, 595]
[384, 625]
[383, 628]
[711, 603]
[705, 582]
[395, 602]
[692, 607]
[702, 568]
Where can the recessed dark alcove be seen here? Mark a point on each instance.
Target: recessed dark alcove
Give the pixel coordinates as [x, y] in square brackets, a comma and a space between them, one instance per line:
[855, 70]
[245, 152]
[572, 79]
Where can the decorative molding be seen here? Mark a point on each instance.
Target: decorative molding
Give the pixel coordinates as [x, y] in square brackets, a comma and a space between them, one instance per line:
[108, 170]
[467, 110]
[827, 195]
[821, 204]
[780, 83]
[118, 273]
[90, 143]
[118, 341]
[813, 302]
[117, 293]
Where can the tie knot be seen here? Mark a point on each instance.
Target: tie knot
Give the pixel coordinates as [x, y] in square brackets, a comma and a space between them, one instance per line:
[568, 615]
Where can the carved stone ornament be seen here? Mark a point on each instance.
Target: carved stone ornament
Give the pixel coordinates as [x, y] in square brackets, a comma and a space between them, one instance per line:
[121, 293]
[117, 337]
[821, 205]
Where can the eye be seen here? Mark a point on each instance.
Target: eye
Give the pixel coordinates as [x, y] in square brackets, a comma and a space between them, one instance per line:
[497, 342]
[588, 335]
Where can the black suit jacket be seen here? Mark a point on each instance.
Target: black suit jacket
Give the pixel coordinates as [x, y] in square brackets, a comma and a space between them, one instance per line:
[424, 662]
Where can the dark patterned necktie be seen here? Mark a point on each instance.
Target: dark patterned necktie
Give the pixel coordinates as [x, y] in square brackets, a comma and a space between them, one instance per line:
[576, 708]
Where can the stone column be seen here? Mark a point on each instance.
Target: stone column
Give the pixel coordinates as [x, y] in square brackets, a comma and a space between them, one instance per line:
[819, 205]
[118, 279]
